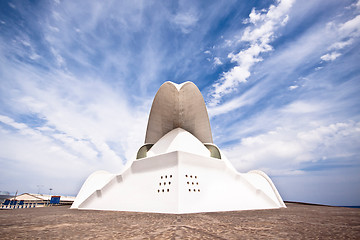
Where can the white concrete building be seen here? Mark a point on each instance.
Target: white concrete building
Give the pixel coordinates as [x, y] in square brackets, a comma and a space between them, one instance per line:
[179, 169]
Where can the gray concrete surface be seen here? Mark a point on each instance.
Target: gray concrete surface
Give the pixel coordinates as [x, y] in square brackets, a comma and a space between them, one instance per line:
[298, 221]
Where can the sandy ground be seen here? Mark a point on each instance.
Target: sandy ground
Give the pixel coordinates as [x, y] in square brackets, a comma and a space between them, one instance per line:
[298, 221]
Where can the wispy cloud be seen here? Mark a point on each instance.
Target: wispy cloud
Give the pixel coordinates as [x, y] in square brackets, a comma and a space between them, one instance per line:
[293, 87]
[341, 44]
[291, 144]
[259, 36]
[302, 132]
[12, 5]
[217, 61]
[330, 56]
[186, 20]
[81, 121]
[345, 34]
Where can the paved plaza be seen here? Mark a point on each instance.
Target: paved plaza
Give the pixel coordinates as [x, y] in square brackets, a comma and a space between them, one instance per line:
[298, 221]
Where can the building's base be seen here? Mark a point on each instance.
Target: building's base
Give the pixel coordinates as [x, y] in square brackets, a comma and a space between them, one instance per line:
[178, 182]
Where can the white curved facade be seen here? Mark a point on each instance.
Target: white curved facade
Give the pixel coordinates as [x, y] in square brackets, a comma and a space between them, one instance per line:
[179, 169]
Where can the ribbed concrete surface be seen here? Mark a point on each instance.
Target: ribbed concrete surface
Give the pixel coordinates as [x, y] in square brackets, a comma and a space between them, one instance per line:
[173, 108]
[298, 221]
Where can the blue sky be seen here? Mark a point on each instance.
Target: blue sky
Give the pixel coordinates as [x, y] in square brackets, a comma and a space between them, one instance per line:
[280, 80]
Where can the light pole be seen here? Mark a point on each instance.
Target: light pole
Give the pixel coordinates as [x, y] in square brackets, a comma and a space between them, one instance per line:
[39, 188]
[49, 195]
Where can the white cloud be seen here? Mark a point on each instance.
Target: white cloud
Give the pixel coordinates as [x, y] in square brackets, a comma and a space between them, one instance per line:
[284, 149]
[293, 87]
[12, 5]
[301, 107]
[259, 35]
[25, 43]
[248, 98]
[341, 44]
[186, 21]
[34, 56]
[59, 59]
[317, 102]
[86, 125]
[36, 159]
[24, 47]
[355, 5]
[54, 29]
[330, 56]
[351, 27]
[228, 106]
[217, 61]
[346, 32]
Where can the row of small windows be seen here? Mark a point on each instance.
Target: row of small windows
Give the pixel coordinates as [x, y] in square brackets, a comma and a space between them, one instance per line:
[194, 190]
[163, 190]
[191, 176]
[168, 190]
[165, 183]
[166, 176]
[193, 183]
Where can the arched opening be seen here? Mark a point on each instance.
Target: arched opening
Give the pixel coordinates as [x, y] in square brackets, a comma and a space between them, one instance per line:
[214, 150]
[142, 152]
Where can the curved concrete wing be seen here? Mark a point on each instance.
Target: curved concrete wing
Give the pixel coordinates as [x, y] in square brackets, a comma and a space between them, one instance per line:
[178, 105]
[193, 113]
[95, 181]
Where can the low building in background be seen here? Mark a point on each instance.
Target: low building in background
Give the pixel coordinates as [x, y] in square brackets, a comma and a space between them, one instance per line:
[31, 200]
[5, 195]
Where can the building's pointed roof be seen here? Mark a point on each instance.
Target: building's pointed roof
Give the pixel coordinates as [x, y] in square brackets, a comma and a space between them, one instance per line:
[178, 140]
[178, 106]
